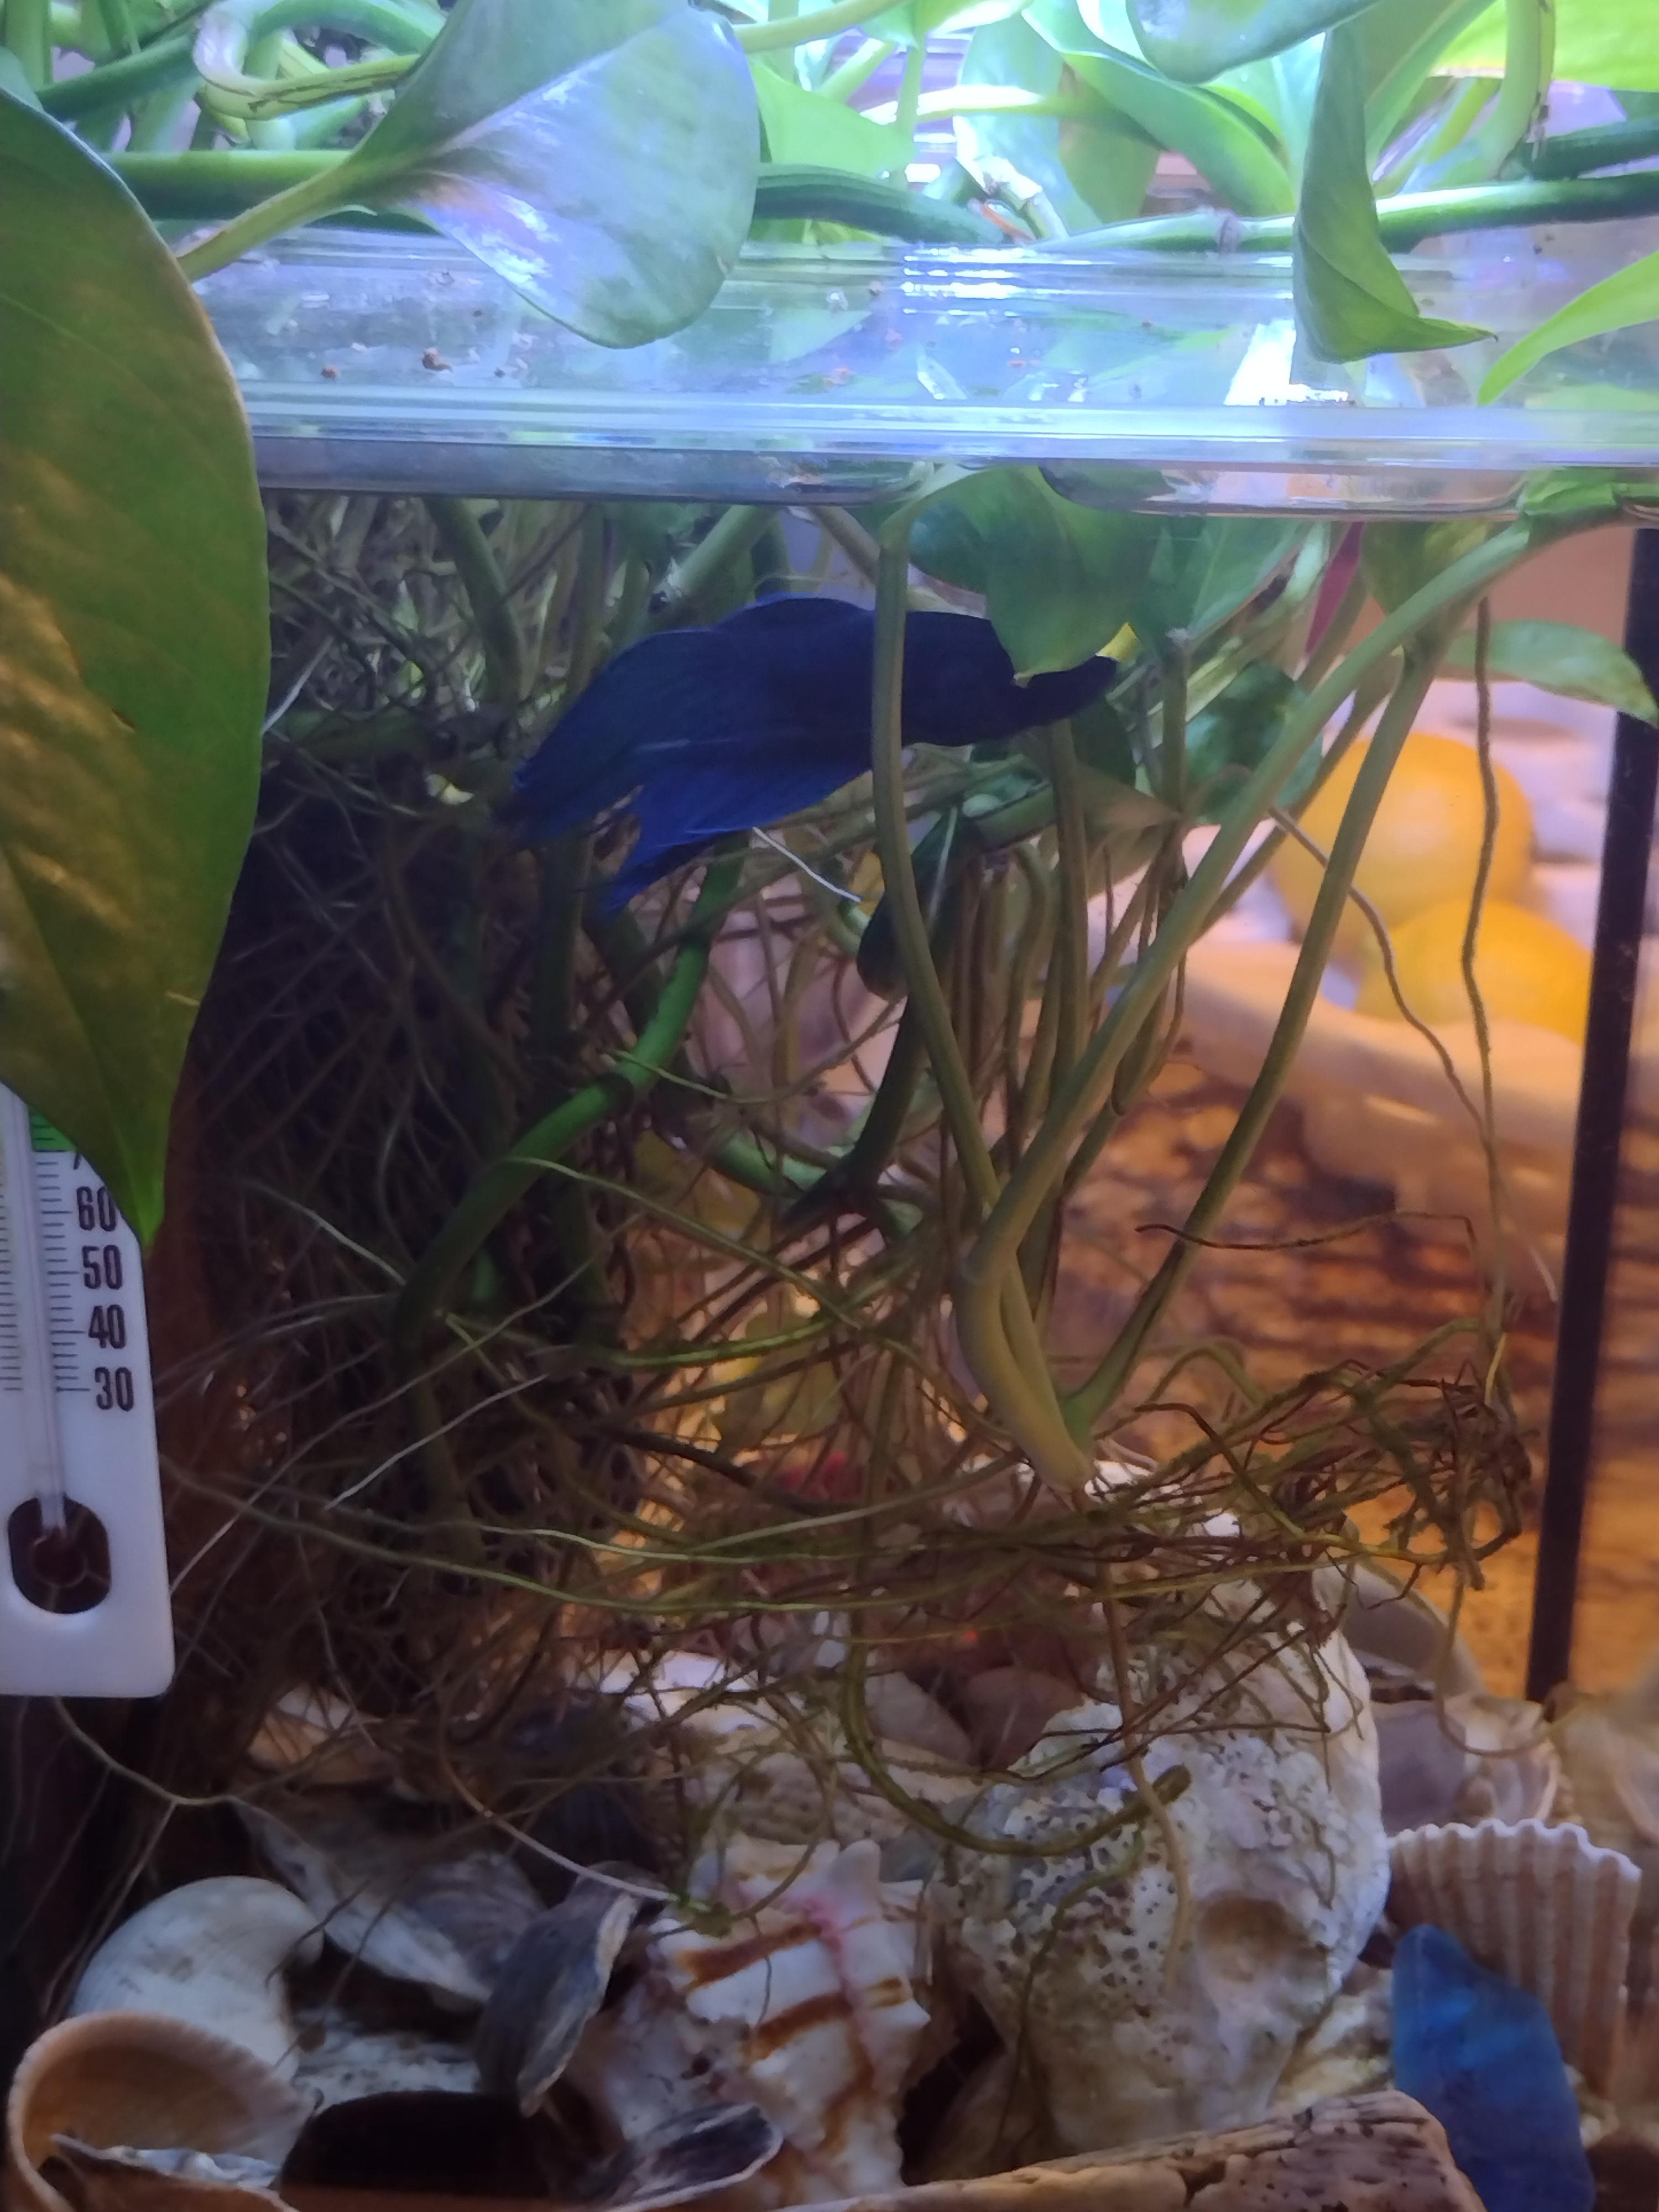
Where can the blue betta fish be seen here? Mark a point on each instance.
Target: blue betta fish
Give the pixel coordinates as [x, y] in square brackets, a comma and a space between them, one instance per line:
[710, 732]
[1482, 2055]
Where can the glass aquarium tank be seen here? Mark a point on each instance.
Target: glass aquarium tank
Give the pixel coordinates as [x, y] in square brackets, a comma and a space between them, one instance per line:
[832, 1090]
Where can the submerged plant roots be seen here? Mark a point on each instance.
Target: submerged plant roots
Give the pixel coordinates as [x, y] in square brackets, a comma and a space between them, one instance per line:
[695, 1386]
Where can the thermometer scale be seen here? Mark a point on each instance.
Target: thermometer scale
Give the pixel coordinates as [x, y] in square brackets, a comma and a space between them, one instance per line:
[77, 1427]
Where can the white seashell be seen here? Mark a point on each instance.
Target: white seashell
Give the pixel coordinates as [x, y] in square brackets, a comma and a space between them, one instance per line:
[142, 2082]
[1286, 1865]
[1350, 2052]
[413, 1908]
[1515, 1769]
[901, 1712]
[1397, 1635]
[340, 2058]
[213, 1953]
[318, 1739]
[1424, 1773]
[1544, 1907]
[1609, 1750]
[1473, 1757]
[806, 2009]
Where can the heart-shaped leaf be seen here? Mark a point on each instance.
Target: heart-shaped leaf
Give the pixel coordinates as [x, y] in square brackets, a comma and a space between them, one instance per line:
[1200, 569]
[1279, 92]
[1056, 578]
[1196, 39]
[1399, 44]
[1560, 656]
[916, 20]
[600, 155]
[1596, 42]
[1098, 43]
[1093, 167]
[1351, 300]
[133, 654]
[807, 129]
[1398, 558]
[1629, 295]
[1236, 732]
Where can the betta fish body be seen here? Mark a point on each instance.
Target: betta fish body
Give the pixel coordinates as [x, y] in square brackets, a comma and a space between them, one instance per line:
[712, 731]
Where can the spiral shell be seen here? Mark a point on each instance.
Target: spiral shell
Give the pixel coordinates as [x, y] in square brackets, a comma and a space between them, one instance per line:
[212, 1953]
[139, 2081]
[1544, 1907]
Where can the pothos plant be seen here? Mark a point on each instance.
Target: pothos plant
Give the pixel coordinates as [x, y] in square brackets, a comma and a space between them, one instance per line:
[606, 158]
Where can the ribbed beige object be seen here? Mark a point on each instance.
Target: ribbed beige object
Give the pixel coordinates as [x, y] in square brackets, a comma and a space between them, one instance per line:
[1544, 1907]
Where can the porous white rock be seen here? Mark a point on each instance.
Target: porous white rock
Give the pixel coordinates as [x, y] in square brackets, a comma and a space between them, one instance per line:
[1286, 1868]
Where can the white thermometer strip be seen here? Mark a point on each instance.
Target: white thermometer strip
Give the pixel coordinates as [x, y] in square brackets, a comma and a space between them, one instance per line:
[77, 1420]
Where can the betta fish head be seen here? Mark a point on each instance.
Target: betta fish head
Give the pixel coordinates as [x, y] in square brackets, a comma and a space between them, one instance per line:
[961, 689]
[1067, 692]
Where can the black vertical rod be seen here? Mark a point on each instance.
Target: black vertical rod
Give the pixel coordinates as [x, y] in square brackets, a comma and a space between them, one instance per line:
[1592, 1205]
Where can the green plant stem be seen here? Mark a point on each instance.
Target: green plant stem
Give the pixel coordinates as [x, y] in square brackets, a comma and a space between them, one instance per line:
[28, 36]
[1015, 1378]
[116, 17]
[995, 1254]
[213, 186]
[1086, 1404]
[1173, 668]
[1420, 161]
[1007, 99]
[909, 96]
[735, 533]
[1607, 146]
[461, 535]
[506, 1180]
[593, 591]
[800, 30]
[567, 863]
[157, 118]
[1405, 221]
[841, 84]
[1489, 804]
[1528, 66]
[317, 195]
[1071, 930]
[857, 1174]
[120, 84]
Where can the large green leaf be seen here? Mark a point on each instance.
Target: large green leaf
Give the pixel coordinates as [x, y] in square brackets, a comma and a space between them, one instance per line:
[917, 20]
[133, 654]
[1199, 570]
[1399, 44]
[1279, 92]
[1351, 300]
[1092, 169]
[600, 155]
[1398, 558]
[1609, 42]
[1234, 734]
[1560, 656]
[1196, 39]
[1098, 42]
[1057, 578]
[804, 127]
[1629, 295]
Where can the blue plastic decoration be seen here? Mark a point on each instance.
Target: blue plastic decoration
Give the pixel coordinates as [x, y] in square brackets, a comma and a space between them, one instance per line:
[711, 732]
[1482, 2055]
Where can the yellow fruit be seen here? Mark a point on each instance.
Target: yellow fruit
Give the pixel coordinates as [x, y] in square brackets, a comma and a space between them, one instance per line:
[1526, 968]
[1424, 842]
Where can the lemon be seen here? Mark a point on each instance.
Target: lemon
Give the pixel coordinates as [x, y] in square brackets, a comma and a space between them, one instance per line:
[1527, 969]
[1424, 842]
